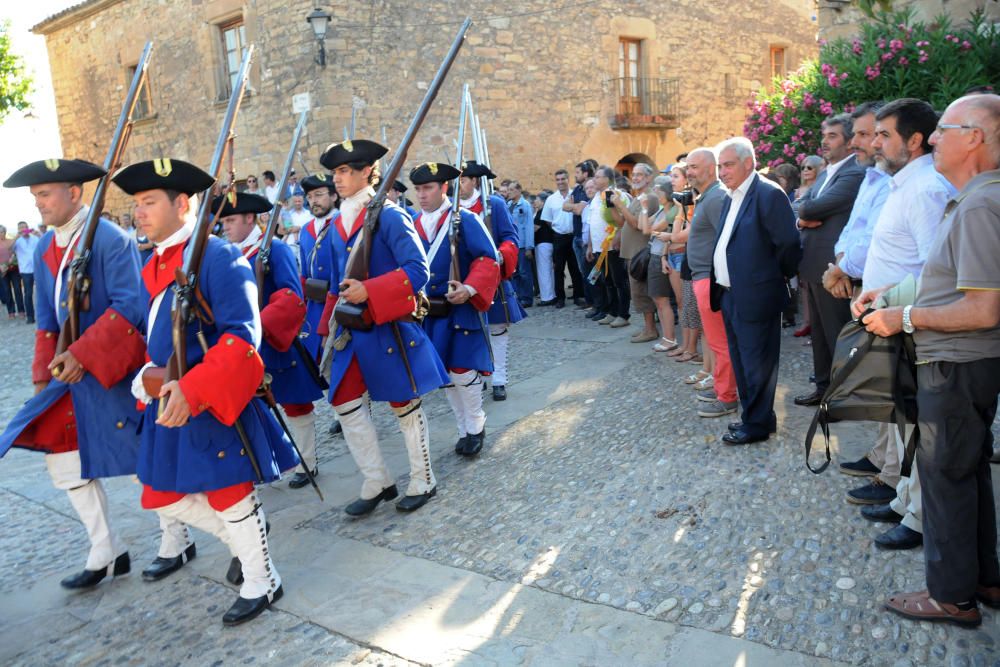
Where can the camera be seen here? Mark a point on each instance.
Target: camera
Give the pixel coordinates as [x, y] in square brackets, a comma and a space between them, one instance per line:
[684, 197]
[607, 197]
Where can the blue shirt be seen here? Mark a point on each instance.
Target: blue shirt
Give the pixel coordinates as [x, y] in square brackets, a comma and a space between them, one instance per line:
[857, 233]
[524, 221]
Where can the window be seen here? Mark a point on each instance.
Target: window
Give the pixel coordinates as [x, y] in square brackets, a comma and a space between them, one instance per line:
[730, 87]
[629, 81]
[777, 61]
[234, 39]
[143, 103]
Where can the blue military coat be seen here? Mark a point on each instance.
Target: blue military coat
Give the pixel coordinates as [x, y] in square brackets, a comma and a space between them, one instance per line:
[314, 253]
[398, 270]
[206, 454]
[103, 406]
[458, 338]
[291, 381]
[503, 231]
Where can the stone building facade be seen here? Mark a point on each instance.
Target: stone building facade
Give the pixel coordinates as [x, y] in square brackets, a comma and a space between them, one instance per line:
[840, 18]
[618, 81]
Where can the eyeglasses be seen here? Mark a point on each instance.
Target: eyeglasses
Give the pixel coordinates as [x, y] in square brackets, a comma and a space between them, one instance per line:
[808, 167]
[952, 126]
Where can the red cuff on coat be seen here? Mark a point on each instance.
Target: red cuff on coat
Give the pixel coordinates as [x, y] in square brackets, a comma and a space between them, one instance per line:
[282, 319]
[509, 253]
[390, 296]
[484, 276]
[45, 351]
[232, 363]
[323, 328]
[110, 348]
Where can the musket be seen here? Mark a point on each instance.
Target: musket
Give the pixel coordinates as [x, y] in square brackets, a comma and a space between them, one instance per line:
[455, 227]
[268, 397]
[188, 303]
[262, 265]
[354, 115]
[479, 146]
[78, 284]
[302, 161]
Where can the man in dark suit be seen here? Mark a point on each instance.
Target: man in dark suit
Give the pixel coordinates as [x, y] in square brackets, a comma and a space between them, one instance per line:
[756, 249]
[823, 212]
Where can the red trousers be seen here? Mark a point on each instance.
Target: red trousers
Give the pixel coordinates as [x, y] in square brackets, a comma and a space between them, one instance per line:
[715, 335]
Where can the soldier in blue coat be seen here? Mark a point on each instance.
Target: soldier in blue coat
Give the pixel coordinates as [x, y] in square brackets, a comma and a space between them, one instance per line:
[456, 321]
[193, 464]
[506, 308]
[282, 317]
[397, 194]
[393, 360]
[82, 417]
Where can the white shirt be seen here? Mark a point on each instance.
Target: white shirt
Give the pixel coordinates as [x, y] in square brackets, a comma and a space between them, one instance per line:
[300, 219]
[351, 207]
[429, 219]
[24, 248]
[271, 192]
[830, 171]
[251, 241]
[907, 223]
[595, 223]
[553, 213]
[719, 258]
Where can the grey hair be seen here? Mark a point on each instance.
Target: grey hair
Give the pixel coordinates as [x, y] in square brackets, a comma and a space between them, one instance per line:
[709, 153]
[648, 170]
[844, 121]
[741, 146]
[988, 108]
[813, 160]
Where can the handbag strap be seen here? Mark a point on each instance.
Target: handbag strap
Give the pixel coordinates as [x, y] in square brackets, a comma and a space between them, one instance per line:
[821, 418]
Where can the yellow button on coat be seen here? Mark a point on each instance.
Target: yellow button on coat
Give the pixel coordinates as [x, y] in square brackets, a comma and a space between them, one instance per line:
[222, 455]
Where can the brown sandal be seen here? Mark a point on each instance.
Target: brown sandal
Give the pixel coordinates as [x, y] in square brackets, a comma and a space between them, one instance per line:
[920, 606]
[686, 356]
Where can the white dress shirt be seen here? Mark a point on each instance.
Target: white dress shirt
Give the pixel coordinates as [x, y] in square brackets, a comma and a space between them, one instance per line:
[719, 258]
[831, 172]
[553, 213]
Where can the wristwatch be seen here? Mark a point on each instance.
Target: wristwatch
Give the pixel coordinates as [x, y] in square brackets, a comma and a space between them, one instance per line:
[907, 324]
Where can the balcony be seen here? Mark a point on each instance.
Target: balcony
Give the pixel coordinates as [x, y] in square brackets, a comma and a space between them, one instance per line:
[645, 103]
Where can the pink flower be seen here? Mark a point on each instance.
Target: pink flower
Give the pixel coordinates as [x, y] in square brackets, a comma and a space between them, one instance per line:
[856, 47]
[833, 80]
[754, 136]
[887, 56]
[788, 150]
[966, 45]
[827, 69]
[881, 42]
[923, 42]
[773, 163]
[826, 108]
[896, 44]
[799, 158]
[843, 76]
[923, 57]
[822, 42]
[904, 62]
[795, 121]
[808, 100]
[873, 72]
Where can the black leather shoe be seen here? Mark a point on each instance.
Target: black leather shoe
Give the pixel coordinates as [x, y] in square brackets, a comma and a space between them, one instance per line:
[499, 392]
[875, 493]
[579, 302]
[807, 400]
[460, 444]
[599, 315]
[90, 578]
[741, 437]
[300, 479]
[550, 302]
[161, 567]
[883, 513]
[336, 428]
[560, 304]
[898, 538]
[412, 503]
[526, 304]
[474, 443]
[244, 610]
[361, 507]
[738, 426]
[234, 574]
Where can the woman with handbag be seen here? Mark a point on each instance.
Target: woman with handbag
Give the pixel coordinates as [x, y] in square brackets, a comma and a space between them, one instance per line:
[657, 280]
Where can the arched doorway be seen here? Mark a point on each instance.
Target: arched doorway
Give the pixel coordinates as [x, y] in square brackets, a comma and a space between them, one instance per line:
[626, 163]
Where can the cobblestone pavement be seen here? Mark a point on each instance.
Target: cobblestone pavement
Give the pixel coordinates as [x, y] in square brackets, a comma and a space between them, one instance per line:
[611, 491]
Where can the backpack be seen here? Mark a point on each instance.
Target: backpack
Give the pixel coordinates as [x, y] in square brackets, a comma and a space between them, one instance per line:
[872, 379]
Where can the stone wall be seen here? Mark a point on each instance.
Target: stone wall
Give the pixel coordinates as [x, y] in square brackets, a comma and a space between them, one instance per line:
[840, 18]
[538, 76]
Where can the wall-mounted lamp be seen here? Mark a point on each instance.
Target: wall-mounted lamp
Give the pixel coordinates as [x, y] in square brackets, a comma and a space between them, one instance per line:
[319, 20]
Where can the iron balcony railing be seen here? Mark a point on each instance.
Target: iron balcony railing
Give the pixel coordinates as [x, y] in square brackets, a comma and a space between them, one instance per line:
[644, 102]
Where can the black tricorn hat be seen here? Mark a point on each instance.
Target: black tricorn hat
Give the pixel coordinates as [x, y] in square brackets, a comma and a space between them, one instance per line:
[356, 150]
[245, 203]
[162, 174]
[473, 169]
[54, 171]
[313, 181]
[433, 172]
[399, 187]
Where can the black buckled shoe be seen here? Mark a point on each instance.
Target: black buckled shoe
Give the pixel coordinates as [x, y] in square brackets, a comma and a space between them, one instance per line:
[899, 537]
[90, 578]
[499, 392]
[162, 567]
[474, 443]
[300, 479]
[882, 513]
[460, 445]
[412, 503]
[244, 610]
[362, 506]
